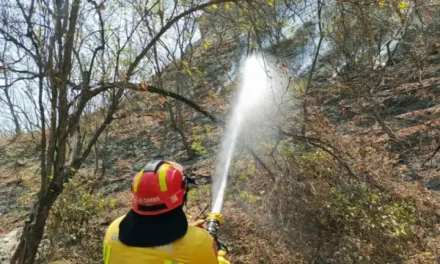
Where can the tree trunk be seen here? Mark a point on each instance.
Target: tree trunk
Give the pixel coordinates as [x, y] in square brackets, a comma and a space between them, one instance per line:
[34, 229]
[179, 129]
[12, 110]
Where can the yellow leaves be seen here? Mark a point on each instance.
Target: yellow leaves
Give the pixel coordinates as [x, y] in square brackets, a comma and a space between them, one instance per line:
[199, 72]
[227, 5]
[187, 68]
[101, 206]
[374, 198]
[402, 5]
[207, 44]
[271, 3]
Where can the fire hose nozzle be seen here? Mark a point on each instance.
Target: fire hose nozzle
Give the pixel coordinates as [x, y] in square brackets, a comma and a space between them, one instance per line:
[213, 221]
[215, 216]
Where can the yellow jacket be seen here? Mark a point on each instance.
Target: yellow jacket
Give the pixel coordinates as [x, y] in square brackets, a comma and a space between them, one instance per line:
[196, 247]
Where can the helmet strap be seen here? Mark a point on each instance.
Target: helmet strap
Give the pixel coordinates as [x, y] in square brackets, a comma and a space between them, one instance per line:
[185, 185]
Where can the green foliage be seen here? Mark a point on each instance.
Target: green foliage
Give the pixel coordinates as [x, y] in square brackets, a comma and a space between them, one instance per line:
[198, 148]
[371, 214]
[200, 135]
[286, 149]
[74, 209]
[299, 86]
[241, 187]
[72, 221]
[199, 194]
[193, 196]
[245, 175]
[316, 162]
[249, 197]
[316, 155]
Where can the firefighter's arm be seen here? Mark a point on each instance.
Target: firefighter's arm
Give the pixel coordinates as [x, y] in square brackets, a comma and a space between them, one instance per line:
[207, 252]
[219, 252]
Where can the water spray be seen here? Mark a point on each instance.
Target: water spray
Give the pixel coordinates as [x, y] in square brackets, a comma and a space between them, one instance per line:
[253, 88]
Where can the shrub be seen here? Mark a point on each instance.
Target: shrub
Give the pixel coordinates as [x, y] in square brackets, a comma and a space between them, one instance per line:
[200, 135]
[373, 216]
[70, 222]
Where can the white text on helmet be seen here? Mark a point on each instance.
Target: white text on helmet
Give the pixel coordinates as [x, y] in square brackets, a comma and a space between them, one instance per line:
[147, 200]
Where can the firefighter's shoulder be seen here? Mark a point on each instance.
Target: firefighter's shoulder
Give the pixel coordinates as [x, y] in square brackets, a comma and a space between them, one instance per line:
[113, 229]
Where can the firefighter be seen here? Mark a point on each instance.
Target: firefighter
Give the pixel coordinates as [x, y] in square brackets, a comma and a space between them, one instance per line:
[156, 230]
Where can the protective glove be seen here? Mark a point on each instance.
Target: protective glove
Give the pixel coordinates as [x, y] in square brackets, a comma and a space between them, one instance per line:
[221, 257]
[198, 223]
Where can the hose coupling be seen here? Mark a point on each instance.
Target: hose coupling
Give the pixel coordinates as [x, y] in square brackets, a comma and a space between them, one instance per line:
[213, 222]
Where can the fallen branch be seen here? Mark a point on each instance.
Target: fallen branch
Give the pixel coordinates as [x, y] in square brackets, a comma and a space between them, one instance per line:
[202, 212]
[432, 155]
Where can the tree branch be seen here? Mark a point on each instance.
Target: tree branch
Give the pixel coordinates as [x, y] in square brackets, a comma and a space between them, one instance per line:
[77, 161]
[143, 87]
[259, 160]
[321, 145]
[8, 37]
[17, 80]
[97, 49]
[141, 55]
[432, 155]
[312, 69]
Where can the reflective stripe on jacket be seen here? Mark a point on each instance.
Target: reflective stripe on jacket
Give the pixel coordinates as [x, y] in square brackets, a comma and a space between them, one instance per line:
[196, 247]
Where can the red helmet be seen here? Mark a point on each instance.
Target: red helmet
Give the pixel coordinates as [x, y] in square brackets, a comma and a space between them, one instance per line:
[158, 188]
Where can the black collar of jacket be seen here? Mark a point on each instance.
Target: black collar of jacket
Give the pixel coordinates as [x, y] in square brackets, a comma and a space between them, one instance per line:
[137, 230]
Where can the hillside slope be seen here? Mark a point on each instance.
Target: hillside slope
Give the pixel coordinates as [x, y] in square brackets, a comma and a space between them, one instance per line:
[360, 186]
